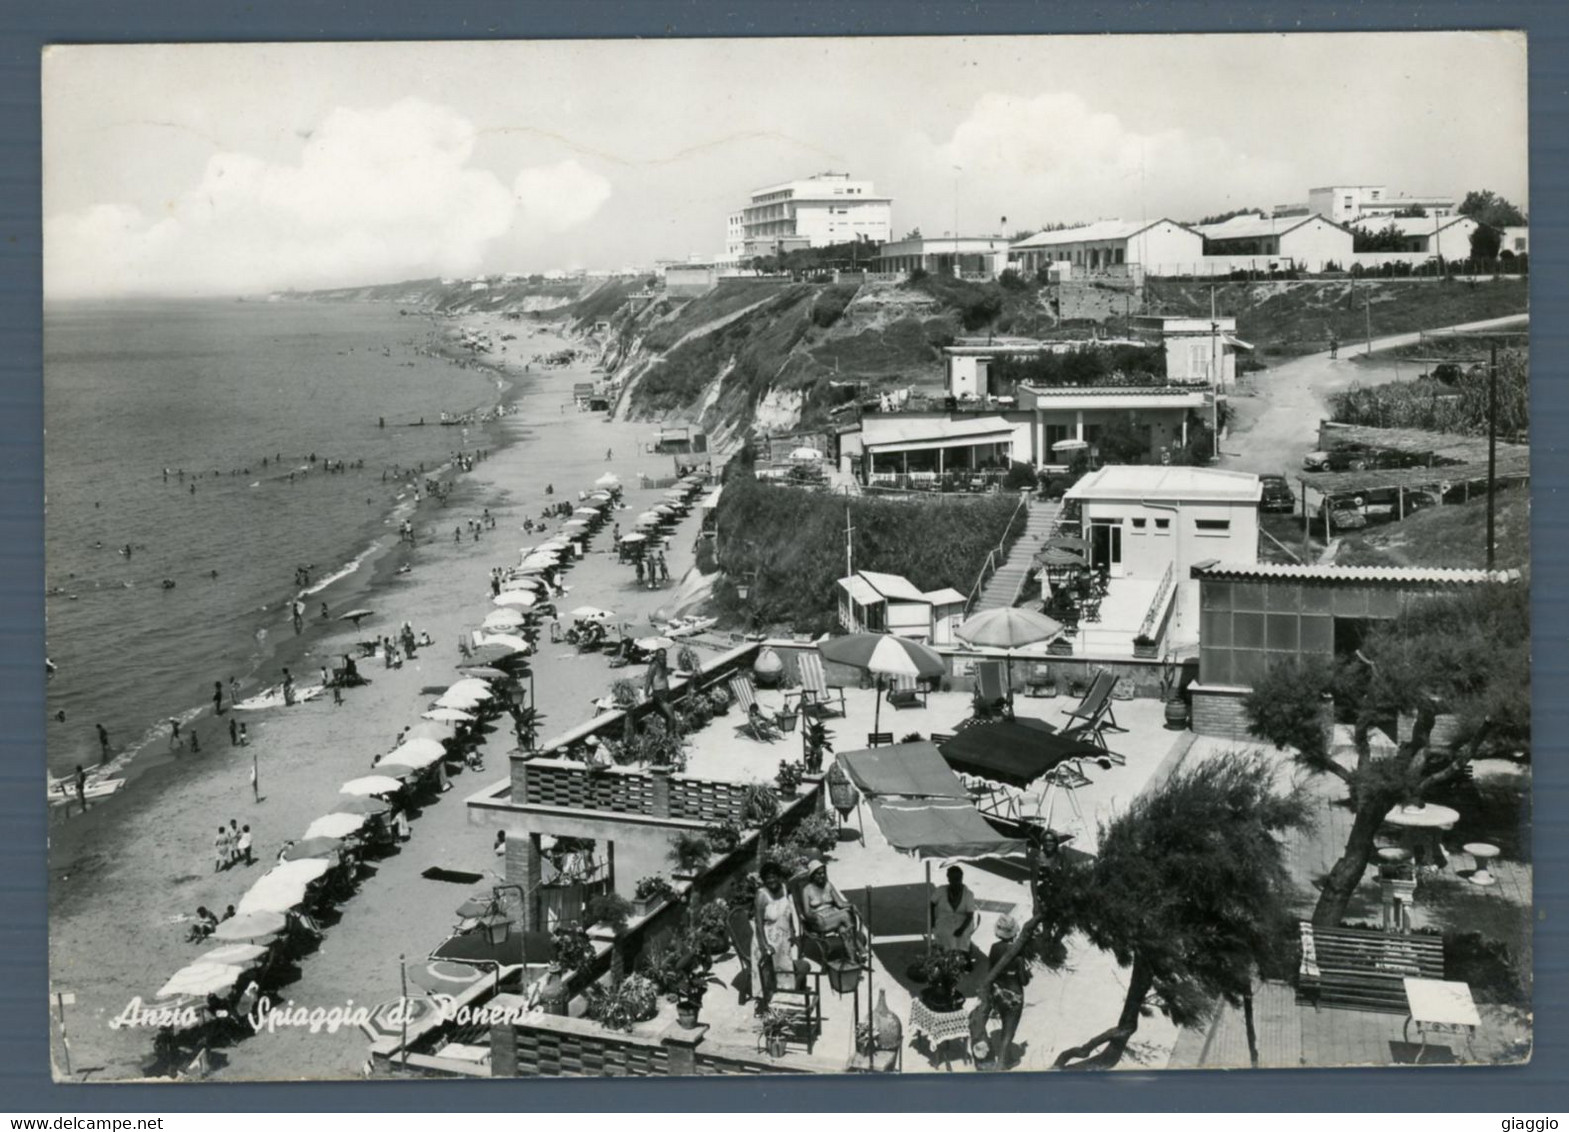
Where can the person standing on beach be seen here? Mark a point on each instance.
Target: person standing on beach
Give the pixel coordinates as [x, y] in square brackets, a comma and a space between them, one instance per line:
[234, 841]
[103, 744]
[457, 534]
[288, 688]
[220, 850]
[174, 733]
[217, 697]
[234, 732]
[245, 739]
[608, 454]
[234, 690]
[244, 846]
[81, 786]
[196, 744]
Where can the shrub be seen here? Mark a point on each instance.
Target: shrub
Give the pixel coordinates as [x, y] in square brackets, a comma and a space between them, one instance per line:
[654, 887]
[830, 305]
[571, 947]
[818, 833]
[687, 659]
[761, 806]
[724, 836]
[1011, 280]
[710, 928]
[789, 777]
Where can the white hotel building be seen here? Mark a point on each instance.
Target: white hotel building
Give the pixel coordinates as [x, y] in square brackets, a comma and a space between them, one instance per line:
[828, 208]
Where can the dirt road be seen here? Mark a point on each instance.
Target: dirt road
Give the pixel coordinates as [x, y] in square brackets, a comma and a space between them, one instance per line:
[1273, 429]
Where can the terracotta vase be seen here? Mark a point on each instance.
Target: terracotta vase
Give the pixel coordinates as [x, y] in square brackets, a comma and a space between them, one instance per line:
[886, 1025]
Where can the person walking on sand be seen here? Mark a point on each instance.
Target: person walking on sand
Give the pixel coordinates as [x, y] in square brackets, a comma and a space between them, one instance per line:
[608, 454]
[174, 733]
[217, 697]
[234, 732]
[103, 744]
[81, 786]
[288, 688]
[220, 850]
[243, 847]
[196, 744]
[234, 841]
[245, 739]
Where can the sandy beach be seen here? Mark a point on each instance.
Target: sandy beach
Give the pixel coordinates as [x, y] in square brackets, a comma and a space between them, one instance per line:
[125, 877]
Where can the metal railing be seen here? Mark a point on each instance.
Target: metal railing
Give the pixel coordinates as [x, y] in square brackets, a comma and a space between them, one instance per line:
[998, 554]
[1157, 609]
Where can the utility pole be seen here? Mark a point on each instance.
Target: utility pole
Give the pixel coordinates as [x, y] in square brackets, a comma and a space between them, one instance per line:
[1492, 444]
[1214, 373]
[849, 548]
[1367, 305]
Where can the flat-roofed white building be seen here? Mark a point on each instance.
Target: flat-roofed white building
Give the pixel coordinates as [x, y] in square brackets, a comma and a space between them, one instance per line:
[1061, 413]
[934, 445]
[1307, 243]
[974, 256]
[1199, 351]
[1113, 247]
[1345, 204]
[1516, 240]
[1140, 519]
[828, 208]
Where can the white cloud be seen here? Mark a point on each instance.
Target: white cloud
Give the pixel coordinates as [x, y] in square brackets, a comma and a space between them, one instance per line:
[553, 198]
[376, 194]
[1053, 158]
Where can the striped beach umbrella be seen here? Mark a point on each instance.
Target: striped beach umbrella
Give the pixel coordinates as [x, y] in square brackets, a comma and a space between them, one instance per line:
[885, 655]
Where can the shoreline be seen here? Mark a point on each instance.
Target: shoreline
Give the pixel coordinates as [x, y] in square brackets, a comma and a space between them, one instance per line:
[138, 871]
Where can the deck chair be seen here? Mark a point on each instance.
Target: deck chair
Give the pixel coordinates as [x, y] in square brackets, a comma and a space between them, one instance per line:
[879, 738]
[814, 685]
[816, 946]
[991, 689]
[1092, 716]
[757, 724]
[906, 692]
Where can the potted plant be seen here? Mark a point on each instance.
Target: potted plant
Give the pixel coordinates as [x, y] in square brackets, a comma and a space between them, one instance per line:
[767, 669]
[774, 1030]
[651, 892]
[724, 836]
[817, 741]
[842, 793]
[687, 660]
[634, 999]
[718, 699]
[570, 947]
[942, 971]
[689, 990]
[709, 934]
[1144, 647]
[761, 804]
[1176, 704]
[609, 909]
[789, 778]
[690, 851]
[817, 832]
[624, 693]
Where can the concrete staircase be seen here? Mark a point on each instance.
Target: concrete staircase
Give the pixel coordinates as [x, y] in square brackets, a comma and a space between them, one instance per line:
[1003, 586]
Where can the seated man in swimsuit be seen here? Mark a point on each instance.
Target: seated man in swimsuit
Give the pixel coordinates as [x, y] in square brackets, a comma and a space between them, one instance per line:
[828, 912]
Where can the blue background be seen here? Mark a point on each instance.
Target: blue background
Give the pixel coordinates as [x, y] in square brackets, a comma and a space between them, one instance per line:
[24, 1024]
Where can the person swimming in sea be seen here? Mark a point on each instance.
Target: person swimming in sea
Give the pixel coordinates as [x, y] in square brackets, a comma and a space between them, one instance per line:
[167, 583]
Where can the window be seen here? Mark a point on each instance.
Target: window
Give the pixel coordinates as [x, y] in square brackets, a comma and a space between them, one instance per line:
[1054, 433]
[1212, 526]
[1163, 526]
[1138, 525]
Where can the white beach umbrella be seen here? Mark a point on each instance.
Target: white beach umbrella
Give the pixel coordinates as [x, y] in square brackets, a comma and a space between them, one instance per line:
[523, 582]
[337, 825]
[370, 784]
[587, 512]
[609, 479]
[448, 715]
[520, 599]
[472, 686]
[202, 978]
[576, 525]
[650, 517]
[601, 496]
[505, 640]
[500, 619]
[591, 613]
[238, 954]
[284, 887]
[417, 754]
[634, 537]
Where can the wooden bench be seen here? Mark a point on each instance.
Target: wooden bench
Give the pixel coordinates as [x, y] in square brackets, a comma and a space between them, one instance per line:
[1364, 969]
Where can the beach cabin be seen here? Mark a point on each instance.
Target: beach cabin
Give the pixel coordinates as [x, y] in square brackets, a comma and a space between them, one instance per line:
[884, 603]
[947, 614]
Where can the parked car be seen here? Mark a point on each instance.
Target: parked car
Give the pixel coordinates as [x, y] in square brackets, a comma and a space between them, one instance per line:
[1344, 514]
[1277, 495]
[1358, 457]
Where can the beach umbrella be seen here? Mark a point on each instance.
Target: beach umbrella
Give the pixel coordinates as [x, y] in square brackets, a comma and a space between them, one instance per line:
[509, 641]
[884, 655]
[250, 926]
[463, 701]
[394, 1019]
[284, 886]
[523, 582]
[483, 672]
[1069, 445]
[202, 978]
[442, 976]
[471, 685]
[577, 525]
[493, 654]
[362, 805]
[1007, 628]
[591, 613]
[1059, 556]
[336, 826]
[556, 546]
[390, 769]
[417, 754]
[650, 517]
[355, 615]
[436, 731]
[517, 599]
[602, 496]
[238, 954]
[503, 619]
[650, 644]
[634, 537]
[587, 512]
[666, 509]
[313, 847]
[371, 784]
[448, 715]
[609, 479]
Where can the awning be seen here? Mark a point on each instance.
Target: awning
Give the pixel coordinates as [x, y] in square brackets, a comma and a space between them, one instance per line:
[1233, 340]
[518, 949]
[906, 770]
[932, 827]
[1015, 752]
[916, 434]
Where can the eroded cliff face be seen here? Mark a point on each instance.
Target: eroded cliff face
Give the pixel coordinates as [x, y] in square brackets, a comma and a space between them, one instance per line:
[761, 352]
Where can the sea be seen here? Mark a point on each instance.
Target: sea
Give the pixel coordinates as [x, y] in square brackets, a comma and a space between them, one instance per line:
[184, 456]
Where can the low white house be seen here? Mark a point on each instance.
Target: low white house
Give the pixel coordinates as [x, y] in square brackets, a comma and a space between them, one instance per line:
[1424, 237]
[1307, 243]
[1140, 519]
[871, 602]
[1113, 247]
[1199, 351]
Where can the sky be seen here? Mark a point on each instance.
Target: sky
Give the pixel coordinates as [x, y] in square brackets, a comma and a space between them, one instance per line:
[242, 168]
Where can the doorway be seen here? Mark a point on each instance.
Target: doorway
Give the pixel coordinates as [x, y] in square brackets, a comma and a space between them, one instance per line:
[1106, 545]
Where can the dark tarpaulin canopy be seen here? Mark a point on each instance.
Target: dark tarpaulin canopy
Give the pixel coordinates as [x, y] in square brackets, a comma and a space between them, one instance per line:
[921, 806]
[1014, 752]
[518, 949]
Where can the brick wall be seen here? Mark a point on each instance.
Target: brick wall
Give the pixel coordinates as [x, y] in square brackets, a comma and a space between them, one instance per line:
[1218, 711]
[541, 1045]
[706, 800]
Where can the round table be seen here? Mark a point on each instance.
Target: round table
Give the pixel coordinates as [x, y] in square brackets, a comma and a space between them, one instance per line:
[941, 1027]
[1482, 853]
[1421, 826]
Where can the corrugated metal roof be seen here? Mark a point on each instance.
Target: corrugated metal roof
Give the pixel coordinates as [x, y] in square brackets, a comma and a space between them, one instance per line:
[1443, 445]
[879, 430]
[947, 596]
[1328, 572]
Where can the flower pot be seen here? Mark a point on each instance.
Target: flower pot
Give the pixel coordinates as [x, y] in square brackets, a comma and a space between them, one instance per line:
[686, 1015]
[942, 1002]
[1176, 713]
[767, 669]
[843, 977]
[776, 1045]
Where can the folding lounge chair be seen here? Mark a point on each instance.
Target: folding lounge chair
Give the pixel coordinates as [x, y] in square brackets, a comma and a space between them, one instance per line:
[991, 690]
[814, 685]
[757, 725]
[906, 692]
[1092, 716]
